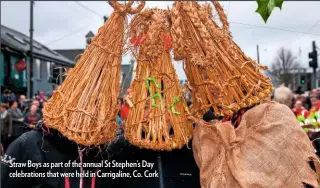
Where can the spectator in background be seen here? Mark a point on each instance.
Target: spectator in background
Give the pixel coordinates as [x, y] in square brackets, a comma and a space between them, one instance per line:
[39, 110]
[119, 120]
[6, 96]
[314, 91]
[32, 117]
[125, 108]
[299, 110]
[304, 98]
[315, 107]
[120, 129]
[120, 102]
[22, 103]
[312, 129]
[12, 96]
[299, 90]
[36, 102]
[283, 95]
[41, 97]
[18, 127]
[6, 125]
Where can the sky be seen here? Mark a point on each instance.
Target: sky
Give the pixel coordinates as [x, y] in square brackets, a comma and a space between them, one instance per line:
[64, 24]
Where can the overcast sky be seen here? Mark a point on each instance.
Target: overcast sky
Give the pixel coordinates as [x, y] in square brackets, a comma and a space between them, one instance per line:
[63, 25]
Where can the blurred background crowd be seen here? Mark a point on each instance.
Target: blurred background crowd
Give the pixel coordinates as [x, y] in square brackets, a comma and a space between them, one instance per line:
[19, 114]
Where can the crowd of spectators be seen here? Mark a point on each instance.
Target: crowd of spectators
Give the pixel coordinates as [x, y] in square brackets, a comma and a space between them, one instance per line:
[19, 115]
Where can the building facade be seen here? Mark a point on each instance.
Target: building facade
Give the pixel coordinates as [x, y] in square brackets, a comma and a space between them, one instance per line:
[15, 63]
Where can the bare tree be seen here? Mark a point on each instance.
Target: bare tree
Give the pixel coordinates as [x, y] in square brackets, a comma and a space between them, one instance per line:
[283, 65]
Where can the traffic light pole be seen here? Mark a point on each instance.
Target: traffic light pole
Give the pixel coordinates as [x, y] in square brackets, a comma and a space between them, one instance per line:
[313, 56]
[315, 78]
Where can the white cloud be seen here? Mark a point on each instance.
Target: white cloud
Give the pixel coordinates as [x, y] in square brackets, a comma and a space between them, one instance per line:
[54, 19]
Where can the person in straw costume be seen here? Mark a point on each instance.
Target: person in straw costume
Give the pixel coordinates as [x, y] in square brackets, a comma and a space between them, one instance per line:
[255, 145]
[157, 85]
[80, 116]
[154, 125]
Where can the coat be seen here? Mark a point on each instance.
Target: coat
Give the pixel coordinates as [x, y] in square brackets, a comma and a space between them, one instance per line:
[18, 127]
[178, 166]
[6, 123]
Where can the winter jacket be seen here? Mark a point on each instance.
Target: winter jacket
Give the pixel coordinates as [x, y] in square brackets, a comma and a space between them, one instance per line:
[22, 106]
[5, 99]
[300, 112]
[124, 111]
[178, 166]
[5, 123]
[18, 127]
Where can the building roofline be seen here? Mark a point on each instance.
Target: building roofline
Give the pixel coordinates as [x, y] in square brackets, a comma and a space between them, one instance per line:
[69, 49]
[52, 60]
[23, 53]
[89, 34]
[60, 57]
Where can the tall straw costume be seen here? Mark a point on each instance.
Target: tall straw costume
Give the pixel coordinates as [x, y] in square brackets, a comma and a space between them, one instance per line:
[221, 76]
[157, 119]
[84, 108]
[268, 148]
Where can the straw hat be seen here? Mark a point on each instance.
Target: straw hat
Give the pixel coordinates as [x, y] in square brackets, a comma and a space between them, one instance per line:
[157, 119]
[84, 108]
[221, 76]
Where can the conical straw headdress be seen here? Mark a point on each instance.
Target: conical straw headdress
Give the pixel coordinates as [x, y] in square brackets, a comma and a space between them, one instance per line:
[84, 108]
[158, 118]
[221, 76]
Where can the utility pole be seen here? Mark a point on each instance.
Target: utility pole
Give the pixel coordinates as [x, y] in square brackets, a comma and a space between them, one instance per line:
[30, 65]
[258, 56]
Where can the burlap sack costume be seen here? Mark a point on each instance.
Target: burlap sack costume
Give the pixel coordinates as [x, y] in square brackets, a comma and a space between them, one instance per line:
[267, 150]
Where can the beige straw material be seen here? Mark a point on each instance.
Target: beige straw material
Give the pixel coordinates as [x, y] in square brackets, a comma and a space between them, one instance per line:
[157, 120]
[221, 76]
[268, 150]
[84, 108]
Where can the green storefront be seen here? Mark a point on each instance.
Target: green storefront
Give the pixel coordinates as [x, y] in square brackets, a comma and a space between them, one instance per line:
[1, 68]
[10, 78]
